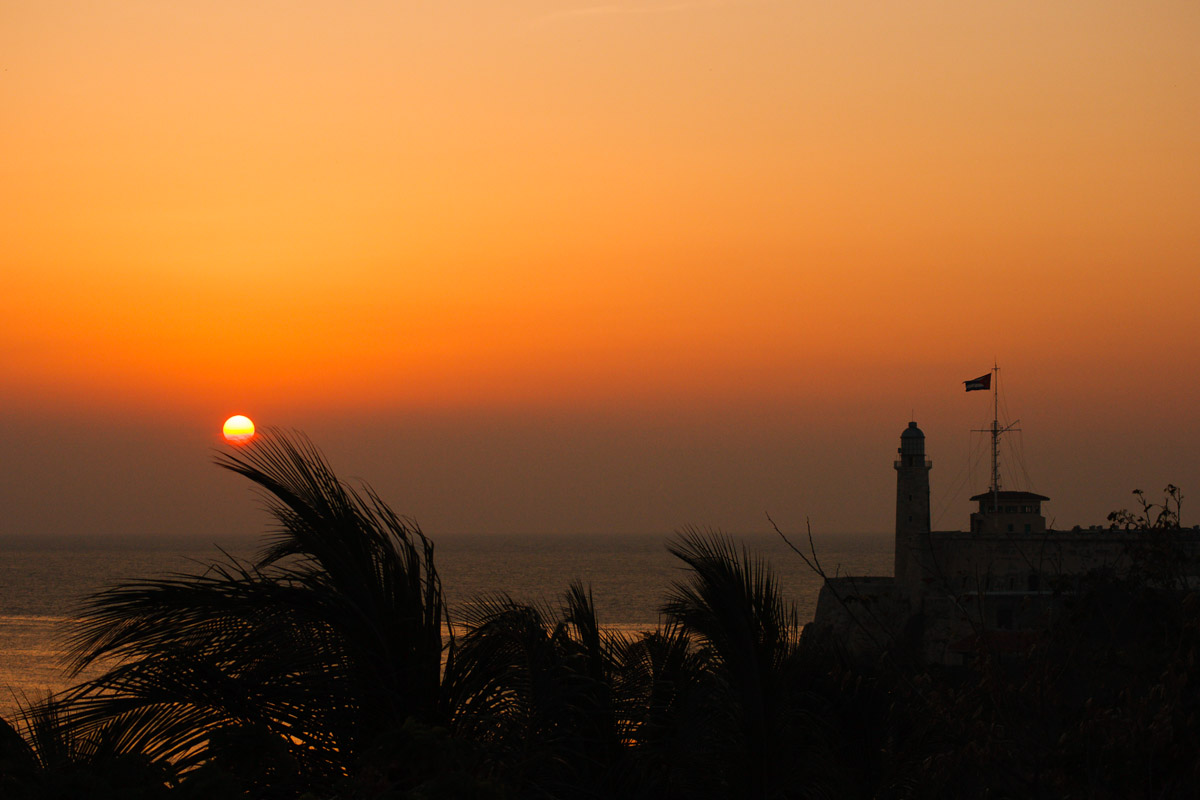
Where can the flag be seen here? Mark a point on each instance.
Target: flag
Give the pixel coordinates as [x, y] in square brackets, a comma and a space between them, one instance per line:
[982, 382]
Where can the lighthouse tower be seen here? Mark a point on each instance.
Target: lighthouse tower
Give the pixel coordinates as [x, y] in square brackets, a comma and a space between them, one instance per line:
[912, 508]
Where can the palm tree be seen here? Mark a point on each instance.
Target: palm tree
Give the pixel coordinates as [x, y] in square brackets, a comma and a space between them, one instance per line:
[305, 657]
[763, 732]
[44, 756]
[535, 687]
[666, 682]
[326, 664]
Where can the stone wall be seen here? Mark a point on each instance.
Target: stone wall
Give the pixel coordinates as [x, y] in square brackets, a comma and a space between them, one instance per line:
[1013, 583]
[966, 562]
[864, 615]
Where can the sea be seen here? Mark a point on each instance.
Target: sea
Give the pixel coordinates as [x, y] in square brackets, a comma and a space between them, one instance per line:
[44, 581]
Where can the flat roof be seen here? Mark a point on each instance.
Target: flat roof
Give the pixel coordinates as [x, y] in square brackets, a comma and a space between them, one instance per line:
[1012, 496]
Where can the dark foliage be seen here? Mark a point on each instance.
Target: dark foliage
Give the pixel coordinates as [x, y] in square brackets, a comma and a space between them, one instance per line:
[44, 756]
[763, 734]
[327, 668]
[304, 658]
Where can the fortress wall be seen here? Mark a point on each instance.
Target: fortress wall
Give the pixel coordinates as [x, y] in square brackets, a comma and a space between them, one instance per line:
[861, 614]
[1006, 562]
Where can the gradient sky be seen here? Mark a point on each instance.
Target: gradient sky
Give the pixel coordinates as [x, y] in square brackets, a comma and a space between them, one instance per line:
[535, 266]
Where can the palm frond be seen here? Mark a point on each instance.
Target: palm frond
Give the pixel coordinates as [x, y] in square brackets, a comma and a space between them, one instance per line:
[330, 637]
[766, 728]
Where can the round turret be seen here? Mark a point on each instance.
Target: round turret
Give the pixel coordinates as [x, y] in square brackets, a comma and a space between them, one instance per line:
[912, 441]
[912, 510]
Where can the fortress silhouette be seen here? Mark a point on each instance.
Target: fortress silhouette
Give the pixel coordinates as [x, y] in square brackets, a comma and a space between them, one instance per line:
[998, 584]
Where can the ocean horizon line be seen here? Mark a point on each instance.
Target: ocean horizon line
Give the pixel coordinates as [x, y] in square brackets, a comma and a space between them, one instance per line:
[253, 540]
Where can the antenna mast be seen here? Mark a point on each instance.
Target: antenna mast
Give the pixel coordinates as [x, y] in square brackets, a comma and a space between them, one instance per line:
[995, 431]
[995, 435]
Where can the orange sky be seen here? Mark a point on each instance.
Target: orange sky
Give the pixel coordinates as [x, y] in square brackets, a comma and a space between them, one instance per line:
[741, 234]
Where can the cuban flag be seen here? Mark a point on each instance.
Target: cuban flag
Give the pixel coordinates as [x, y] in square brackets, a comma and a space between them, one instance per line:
[982, 382]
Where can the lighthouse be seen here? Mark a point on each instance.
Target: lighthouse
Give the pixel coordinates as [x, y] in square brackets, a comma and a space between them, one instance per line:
[912, 507]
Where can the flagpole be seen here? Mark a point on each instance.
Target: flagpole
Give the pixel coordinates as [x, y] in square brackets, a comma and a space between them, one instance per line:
[992, 381]
[995, 436]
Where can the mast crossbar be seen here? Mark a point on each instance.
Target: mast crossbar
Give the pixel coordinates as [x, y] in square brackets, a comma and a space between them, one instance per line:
[996, 430]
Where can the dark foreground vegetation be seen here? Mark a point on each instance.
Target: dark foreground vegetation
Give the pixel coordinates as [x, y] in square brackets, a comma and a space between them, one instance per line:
[322, 670]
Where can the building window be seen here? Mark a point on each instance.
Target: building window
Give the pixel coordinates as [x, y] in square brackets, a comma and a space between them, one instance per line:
[1010, 527]
[1034, 582]
[1028, 528]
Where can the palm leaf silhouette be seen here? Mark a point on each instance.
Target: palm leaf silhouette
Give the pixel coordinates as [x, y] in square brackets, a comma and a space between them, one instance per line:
[45, 754]
[765, 736]
[331, 637]
[535, 686]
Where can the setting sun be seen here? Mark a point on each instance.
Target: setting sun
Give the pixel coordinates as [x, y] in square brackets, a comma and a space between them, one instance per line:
[238, 429]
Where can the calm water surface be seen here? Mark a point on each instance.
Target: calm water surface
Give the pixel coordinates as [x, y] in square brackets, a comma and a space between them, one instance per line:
[41, 584]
